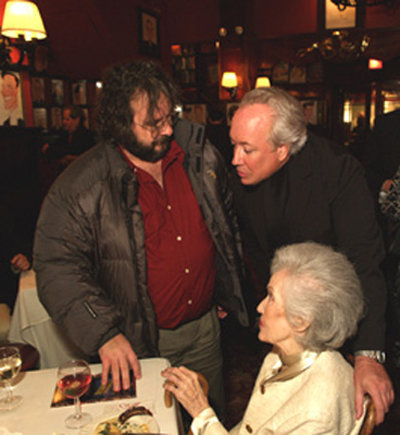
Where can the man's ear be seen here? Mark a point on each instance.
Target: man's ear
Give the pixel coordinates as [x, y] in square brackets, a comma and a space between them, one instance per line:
[283, 153]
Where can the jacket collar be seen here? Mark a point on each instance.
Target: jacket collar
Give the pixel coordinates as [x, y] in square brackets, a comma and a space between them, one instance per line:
[289, 367]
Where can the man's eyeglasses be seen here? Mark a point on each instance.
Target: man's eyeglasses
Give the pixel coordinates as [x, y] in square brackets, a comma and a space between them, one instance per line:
[157, 126]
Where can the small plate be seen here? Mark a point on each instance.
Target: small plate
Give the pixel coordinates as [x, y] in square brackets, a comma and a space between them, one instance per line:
[138, 424]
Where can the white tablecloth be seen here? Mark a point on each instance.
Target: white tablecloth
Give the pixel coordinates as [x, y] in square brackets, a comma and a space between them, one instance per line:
[31, 324]
[36, 417]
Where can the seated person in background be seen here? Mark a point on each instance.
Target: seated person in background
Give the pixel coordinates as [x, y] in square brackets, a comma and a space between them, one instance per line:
[304, 386]
[15, 253]
[74, 139]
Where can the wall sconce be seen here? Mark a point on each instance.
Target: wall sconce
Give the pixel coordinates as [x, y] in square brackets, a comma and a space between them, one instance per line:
[263, 82]
[375, 64]
[347, 115]
[230, 83]
[22, 22]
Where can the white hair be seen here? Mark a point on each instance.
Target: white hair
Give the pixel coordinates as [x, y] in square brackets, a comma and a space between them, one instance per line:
[321, 287]
[289, 126]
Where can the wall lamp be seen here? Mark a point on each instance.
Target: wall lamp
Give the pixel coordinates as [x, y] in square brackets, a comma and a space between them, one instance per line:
[22, 22]
[263, 82]
[229, 81]
[375, 64]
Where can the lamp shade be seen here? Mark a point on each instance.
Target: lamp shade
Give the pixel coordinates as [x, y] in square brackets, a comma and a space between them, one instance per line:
[263, 82]
[22, 17]
[375, 64]
[229, 80]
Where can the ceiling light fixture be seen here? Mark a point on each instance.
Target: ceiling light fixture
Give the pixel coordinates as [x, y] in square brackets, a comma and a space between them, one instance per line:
[343, 4]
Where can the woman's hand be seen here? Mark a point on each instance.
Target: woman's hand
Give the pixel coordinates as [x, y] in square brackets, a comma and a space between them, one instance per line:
[185, 386]
[20, 263]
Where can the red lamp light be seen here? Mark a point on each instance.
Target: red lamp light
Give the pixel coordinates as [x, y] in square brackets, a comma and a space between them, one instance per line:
[375, 64]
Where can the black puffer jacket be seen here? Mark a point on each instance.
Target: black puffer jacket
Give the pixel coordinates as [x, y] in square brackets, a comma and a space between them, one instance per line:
[89, 250]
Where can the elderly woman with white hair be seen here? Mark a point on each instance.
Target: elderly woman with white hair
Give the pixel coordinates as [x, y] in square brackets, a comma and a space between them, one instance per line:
[304, 386]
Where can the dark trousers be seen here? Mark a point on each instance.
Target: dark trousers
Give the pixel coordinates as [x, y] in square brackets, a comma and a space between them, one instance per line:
[197, 346]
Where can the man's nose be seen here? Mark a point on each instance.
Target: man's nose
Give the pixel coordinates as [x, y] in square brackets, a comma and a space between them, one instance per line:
[166, 130]
[237, 156]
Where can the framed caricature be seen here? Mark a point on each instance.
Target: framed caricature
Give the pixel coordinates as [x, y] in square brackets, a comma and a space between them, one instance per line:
[38, 91]
[40, 117]
[11, 104]
[57, 92]
[280, 72]
[56, 117]
[298, 74]
[149, 33]
[79, 95]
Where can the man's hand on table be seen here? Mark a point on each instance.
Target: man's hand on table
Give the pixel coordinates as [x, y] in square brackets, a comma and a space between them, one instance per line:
[371, 377]
[118, 357]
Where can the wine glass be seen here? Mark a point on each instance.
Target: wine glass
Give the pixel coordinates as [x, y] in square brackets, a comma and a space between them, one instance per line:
[74, 379]
[10, 365]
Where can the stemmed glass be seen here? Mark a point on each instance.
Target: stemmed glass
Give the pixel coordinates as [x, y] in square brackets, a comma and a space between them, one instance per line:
[10, 365]
[74, 378]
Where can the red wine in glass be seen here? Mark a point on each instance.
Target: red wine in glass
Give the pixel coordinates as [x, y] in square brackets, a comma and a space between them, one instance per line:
[74, 385]
[74, 379]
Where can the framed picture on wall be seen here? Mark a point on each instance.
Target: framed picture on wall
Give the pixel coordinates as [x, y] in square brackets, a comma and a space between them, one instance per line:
[38, 91]
[149, 33]
[86, 117]
[298, 74]
[280, 72]
[79, 94]
[310, 108]
[330, 17]
[11, 102]
[56, 117]
[40, 117]
[57, 92]
[315, 72]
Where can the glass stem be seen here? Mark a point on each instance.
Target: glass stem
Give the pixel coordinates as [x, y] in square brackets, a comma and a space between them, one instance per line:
[78, 411]
[10, 397]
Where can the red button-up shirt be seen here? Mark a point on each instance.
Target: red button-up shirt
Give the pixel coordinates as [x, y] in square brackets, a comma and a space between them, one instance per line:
[179, 249]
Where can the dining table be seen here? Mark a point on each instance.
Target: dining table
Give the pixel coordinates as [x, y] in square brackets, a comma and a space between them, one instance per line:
[31, 324]
[35, 416]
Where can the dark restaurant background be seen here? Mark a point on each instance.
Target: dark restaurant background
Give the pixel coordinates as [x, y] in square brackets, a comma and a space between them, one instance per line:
[288, 41]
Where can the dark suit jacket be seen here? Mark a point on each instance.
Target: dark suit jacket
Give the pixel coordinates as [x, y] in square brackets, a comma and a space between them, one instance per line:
[321, 196]
[382, 153]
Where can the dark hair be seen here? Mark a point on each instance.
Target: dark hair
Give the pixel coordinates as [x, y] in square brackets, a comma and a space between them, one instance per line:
[75, 112]
[10, 73]
[123, 82]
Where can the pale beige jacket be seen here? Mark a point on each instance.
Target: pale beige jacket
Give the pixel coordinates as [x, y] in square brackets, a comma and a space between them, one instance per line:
[319, 400]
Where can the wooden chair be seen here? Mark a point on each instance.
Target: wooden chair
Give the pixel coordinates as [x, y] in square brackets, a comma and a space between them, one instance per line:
[370, 415]
[169, 397]
[370, 418]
